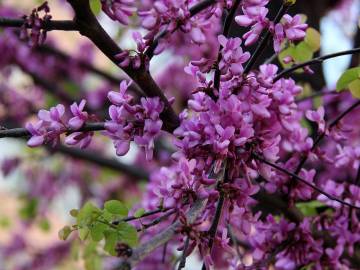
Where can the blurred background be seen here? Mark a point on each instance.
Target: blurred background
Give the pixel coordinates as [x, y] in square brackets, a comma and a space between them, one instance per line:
[29, 225]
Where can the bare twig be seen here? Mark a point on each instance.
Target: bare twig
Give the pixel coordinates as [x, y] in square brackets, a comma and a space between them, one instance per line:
[64, 25]
[167, 234]
[295, 176]
[23, 132]
[317, 60]
[90, 27]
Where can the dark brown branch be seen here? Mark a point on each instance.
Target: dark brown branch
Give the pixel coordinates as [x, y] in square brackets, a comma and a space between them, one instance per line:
[322, 135]
[317, 60]
[264, 41]
[226, 29]
[183, 255]
[167, 234]
[23, 132]
[64, 25]
[137, 173]
[295, 176]
[89, 26]
[317, 94]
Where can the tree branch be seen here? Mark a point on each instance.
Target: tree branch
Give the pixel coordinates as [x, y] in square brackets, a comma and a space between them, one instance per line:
[23, 132]
[229, 19]
[317, 60]
[295, 176]
[89, 26]
[167, 234]
[64, 25]
[262, 44]
[135, 172]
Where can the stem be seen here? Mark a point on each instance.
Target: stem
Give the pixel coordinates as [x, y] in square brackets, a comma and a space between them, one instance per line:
[260, 48]
[136, 173]
[167, 234]
[23, 132]
[226, 30]
[91, 28]
[317, 94]
[183, 256]
[213, 229]
[157, 220]
[322, 135]
[317, 60]
[295, 176]
[64, 25]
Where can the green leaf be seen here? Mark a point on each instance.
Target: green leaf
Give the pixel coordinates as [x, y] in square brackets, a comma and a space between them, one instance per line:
[91, 257]
[97, 231]
[139, 212]
[111, 238]
[127, 234]
[348, 77]
[300, 53]
[116, 207]
[87, 214]
[95, 6]
[309, 208]
[83, 233]
[74, 212]
[44, 225]
[354, 87]
[313, 39]
[64, 233]
[29, 210]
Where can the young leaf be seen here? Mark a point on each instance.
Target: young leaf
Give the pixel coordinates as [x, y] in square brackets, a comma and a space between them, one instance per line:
[95, 6]
[348, 77]
[128, 234]
[97, 231]
[111, 238]
[87, 214]
[83, 233]
[139, 212]
[354, 87]
[309, 208]
[313, 39]
[74, 212]
[116, 207]
[64, 233]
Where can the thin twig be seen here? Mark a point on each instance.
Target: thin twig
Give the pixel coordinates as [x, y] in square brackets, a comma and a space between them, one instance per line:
[194, 10]
[23, 132]
[90, 27]
[317, 94]
[262, 44]
[64, 25]
[183, 256]
[229, 19]
[168, 233]
[295, 176]
[317, 60]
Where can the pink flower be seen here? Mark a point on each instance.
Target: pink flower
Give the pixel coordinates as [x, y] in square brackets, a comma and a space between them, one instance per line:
[317, 117]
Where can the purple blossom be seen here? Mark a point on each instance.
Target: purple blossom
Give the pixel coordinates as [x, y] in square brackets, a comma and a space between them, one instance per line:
[119, 10]
[80, 117]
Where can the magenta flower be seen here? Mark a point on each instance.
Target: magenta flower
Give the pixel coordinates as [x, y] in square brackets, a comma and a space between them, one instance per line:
[80, 117]
[317, 117]
[119, 10]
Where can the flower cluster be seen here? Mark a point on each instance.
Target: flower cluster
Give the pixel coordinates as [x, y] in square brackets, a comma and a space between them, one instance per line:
[119, 10]
[255, 16]
[138, 122]
[36, 23]
[52, 124]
